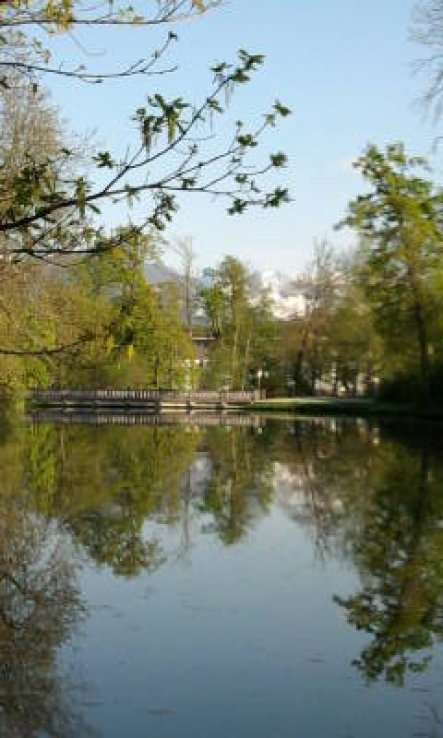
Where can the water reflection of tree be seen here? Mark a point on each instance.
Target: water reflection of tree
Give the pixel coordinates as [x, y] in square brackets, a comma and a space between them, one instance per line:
[373, 498]
[39, 607]
[325, 462]
[399, 552]
[108, 483]
[240, 488]
[377, 500]
[376, 497]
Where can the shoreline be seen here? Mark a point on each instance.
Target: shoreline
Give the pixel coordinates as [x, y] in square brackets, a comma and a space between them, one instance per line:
[358, 407]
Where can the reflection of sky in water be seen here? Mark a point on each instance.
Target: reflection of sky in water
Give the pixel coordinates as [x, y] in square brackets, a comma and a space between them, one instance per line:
[207, 562]
[240, 640]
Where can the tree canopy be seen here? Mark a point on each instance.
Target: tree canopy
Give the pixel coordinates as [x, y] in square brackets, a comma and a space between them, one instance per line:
[401, 226]
[53, 186]
[43, 202]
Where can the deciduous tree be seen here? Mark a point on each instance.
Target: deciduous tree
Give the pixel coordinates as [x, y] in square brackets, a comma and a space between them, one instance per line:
[401, 226]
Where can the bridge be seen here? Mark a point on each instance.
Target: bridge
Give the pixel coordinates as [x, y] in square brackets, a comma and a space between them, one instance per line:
[152, 400]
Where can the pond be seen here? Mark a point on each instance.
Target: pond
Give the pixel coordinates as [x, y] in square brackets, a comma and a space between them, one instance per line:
[269, 579]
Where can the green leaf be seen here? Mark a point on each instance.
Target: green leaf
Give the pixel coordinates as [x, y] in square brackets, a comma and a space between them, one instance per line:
[281, 109]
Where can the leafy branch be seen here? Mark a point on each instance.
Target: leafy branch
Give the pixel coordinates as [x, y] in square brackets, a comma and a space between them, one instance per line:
[35, 199]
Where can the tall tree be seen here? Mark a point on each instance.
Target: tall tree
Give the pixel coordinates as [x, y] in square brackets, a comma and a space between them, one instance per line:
[241, 323]
[184, 249]
[401, 226]
[140, 338]
[307, 345]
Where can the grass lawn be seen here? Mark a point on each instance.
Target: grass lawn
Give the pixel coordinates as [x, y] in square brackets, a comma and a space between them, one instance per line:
[345, 406]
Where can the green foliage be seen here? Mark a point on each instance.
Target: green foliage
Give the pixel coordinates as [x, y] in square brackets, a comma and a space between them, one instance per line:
[242, 325]
[103, 323]
[111, 488]
[240, 489]
[329, 345]
[116, 329]
[400, 602]
[173, 154]
[400, 224]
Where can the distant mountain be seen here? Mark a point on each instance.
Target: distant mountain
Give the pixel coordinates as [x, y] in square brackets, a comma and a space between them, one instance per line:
[159, 273]
[286, 300]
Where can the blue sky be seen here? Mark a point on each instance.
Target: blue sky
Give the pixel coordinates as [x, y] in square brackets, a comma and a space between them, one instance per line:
[344, 67]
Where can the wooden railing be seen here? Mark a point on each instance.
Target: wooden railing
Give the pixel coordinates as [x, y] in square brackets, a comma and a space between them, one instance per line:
[141, 397]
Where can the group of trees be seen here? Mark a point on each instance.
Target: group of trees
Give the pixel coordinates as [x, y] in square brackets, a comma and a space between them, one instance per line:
[75, 306]
[401, 229]
[107, 324]
[241, 324]
[60, 318]
[376, 315]
[329, 345]
[375, 318]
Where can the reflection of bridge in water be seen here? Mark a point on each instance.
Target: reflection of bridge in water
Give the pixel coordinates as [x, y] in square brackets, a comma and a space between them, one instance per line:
[150, 419]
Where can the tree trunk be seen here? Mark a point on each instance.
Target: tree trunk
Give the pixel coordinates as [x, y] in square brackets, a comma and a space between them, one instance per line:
[156, 371]
[425, 373]
[300, 360]
[422, 338]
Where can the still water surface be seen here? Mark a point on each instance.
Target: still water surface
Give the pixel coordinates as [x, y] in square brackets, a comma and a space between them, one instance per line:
[273, 581]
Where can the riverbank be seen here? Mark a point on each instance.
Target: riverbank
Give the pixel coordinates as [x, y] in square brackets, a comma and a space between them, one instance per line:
[362, 407]
[158, 401]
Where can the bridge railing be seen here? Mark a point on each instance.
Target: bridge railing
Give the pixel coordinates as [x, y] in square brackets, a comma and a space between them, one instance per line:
[155, 396]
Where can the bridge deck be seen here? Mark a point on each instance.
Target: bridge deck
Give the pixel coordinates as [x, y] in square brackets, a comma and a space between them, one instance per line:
[151, 399]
